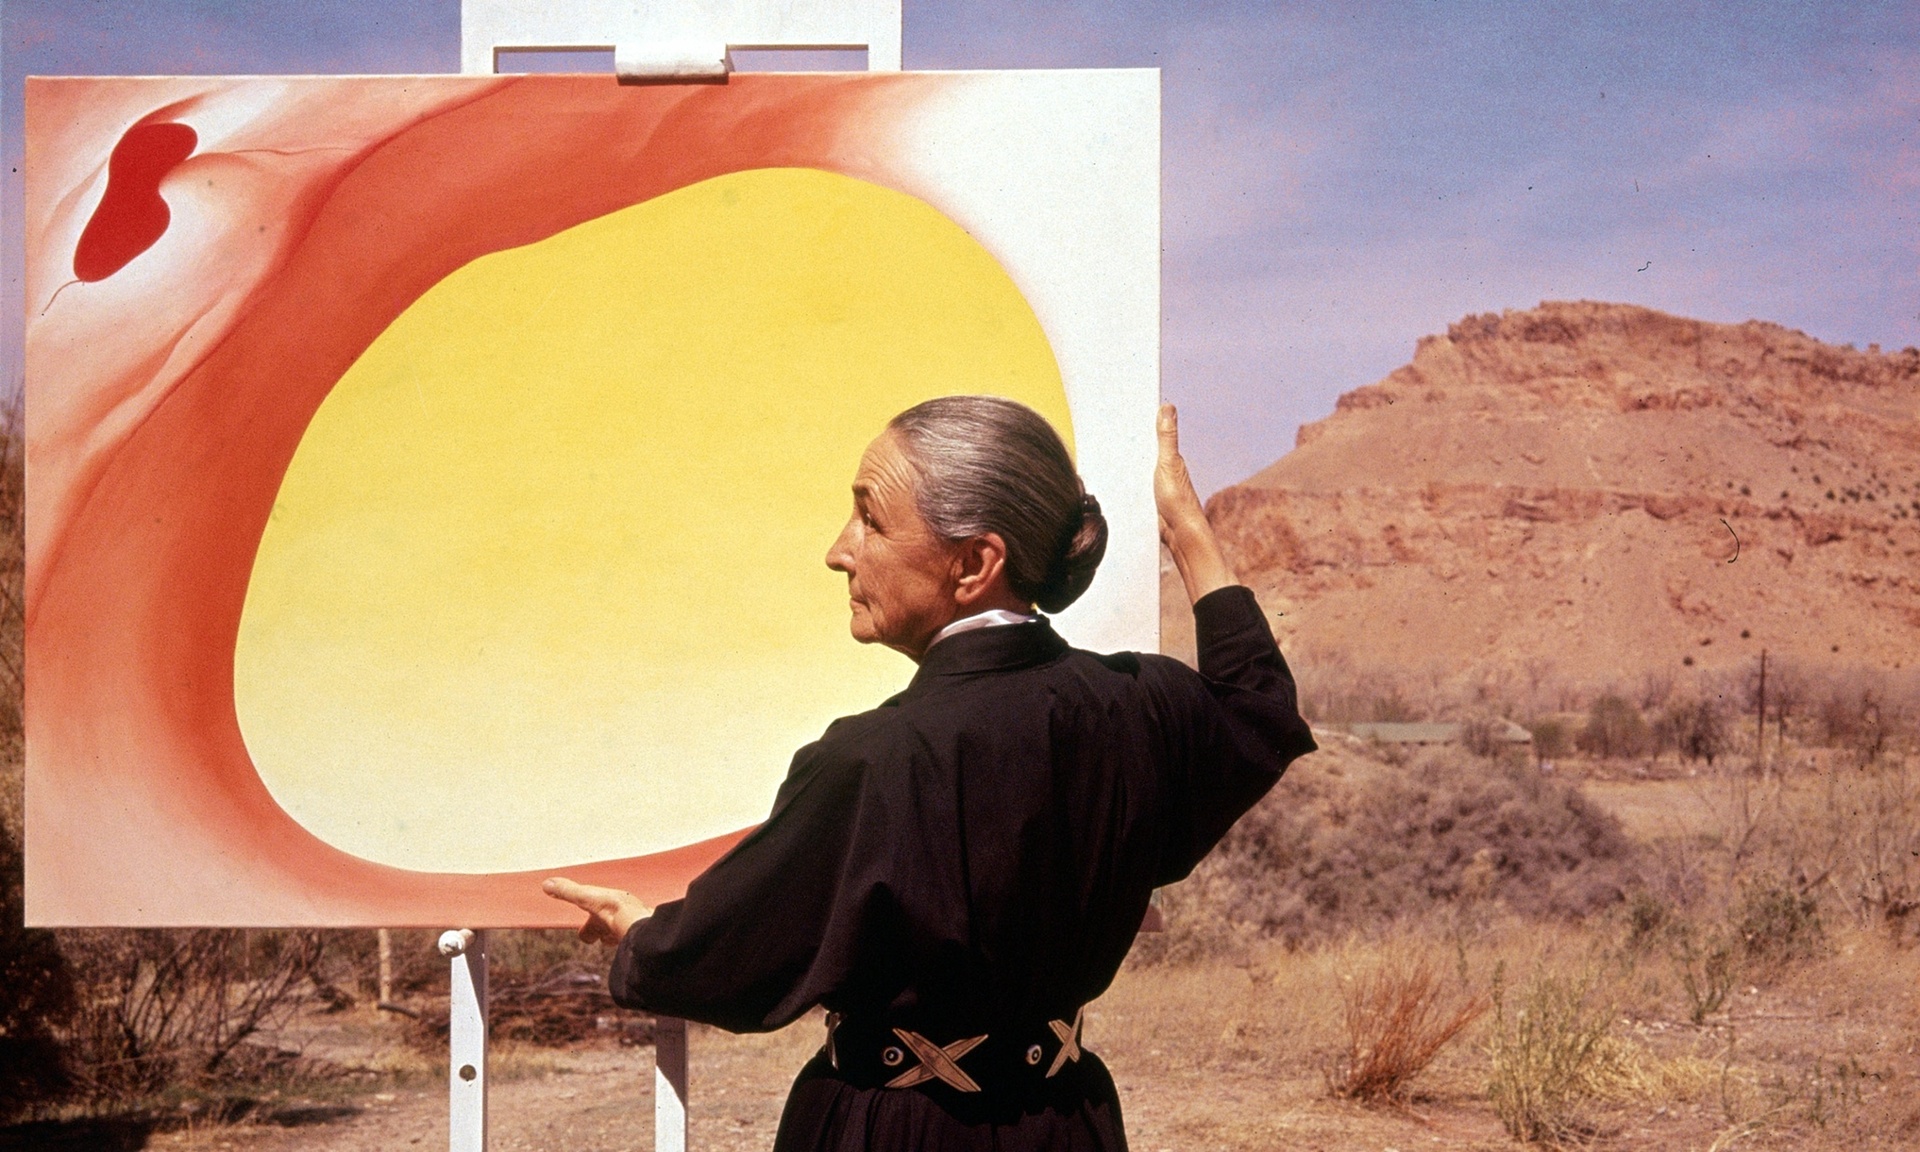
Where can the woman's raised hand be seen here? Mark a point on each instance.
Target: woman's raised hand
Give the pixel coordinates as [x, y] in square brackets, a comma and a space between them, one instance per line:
[1183, 521]
[610, 911]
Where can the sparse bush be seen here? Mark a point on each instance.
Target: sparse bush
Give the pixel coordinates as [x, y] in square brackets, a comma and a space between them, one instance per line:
[1548, 1050]
[1710, 951]
[1398, 1016]
[1614, 729]
[1708, 964]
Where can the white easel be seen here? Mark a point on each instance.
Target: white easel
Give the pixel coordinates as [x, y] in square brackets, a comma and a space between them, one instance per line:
[664, 40]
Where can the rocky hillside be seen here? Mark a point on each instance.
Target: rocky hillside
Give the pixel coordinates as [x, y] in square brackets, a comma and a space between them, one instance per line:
[1599, 490]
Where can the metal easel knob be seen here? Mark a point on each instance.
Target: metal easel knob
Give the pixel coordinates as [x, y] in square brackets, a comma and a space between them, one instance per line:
[456, 941]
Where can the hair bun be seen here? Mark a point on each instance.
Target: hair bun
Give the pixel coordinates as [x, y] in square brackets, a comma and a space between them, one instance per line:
[1073, 568]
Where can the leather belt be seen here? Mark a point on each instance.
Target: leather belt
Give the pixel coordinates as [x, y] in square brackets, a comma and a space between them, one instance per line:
[900, 1057]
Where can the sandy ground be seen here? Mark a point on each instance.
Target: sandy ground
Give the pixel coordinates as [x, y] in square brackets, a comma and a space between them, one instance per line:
[601, 1100]
[1829, 1060]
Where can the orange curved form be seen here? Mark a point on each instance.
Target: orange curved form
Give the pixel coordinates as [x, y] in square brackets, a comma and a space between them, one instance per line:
[166, 398]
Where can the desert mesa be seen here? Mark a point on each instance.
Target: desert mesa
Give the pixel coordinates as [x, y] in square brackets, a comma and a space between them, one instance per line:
[1589, 493]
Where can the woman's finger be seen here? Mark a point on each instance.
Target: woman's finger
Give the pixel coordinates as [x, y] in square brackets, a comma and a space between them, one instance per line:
[583, 896]
[561, 888]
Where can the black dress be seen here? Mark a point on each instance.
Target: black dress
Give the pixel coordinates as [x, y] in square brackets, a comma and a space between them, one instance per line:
[972, 859]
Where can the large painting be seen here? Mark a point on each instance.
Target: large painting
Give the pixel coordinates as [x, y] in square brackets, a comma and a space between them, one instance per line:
[429, 478]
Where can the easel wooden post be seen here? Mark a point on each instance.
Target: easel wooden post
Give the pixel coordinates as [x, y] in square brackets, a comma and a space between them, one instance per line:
[466, 949]
[466, 1040]
[663, 41]
[669, 1085]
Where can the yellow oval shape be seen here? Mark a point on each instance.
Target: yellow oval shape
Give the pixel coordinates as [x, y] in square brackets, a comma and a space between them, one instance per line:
[545, 580]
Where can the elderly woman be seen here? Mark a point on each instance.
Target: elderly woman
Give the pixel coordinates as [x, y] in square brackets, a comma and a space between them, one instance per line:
[957, 873]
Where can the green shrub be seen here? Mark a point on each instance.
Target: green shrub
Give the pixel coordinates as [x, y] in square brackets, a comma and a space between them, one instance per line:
[1648, 920]
[1778, 923]
[1547, 1051]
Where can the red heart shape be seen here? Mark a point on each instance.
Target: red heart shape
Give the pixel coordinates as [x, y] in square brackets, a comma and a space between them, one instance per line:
[132, 216]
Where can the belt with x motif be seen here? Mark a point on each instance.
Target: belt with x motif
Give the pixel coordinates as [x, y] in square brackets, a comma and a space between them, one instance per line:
[878, 1052]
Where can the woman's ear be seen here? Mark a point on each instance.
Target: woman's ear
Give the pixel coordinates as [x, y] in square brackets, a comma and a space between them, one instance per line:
[980, 570]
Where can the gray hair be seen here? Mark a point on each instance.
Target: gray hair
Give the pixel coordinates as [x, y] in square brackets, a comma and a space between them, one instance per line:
[992, 465]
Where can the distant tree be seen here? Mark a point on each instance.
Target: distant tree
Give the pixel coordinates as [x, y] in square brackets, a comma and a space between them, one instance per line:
[1787, 695]
[1549, 738]
[1614, 728]
[1696, 729]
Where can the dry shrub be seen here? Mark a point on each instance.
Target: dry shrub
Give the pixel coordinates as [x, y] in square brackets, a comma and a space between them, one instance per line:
[1769, 924]
[36, 997]
[12, 579]
[1551, 1052]
[1868, 821]
[167, 1006]
[36, 985]
[1708, 964]
[1348, 843]
[1844, 833]
[1399, 1014]
[565, 1005]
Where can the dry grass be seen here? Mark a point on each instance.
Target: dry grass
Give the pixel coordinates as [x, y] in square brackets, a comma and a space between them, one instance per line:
[1263, 1011]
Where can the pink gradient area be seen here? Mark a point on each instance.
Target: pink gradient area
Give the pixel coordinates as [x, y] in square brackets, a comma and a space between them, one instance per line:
[166, 400]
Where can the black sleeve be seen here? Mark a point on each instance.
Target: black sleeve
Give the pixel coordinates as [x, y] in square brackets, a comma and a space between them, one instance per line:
[743, 950]
[1233, 729]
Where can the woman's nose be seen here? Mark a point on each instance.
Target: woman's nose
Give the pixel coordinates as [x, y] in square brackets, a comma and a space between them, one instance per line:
[840, 554]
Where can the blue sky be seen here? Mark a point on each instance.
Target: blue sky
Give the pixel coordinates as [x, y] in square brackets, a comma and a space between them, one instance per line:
[1340, 179]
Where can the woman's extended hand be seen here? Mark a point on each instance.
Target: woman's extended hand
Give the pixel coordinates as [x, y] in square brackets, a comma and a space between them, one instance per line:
[610, 911]
[1183, 522]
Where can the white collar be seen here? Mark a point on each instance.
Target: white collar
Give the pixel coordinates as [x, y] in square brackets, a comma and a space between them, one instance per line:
[991, 618]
